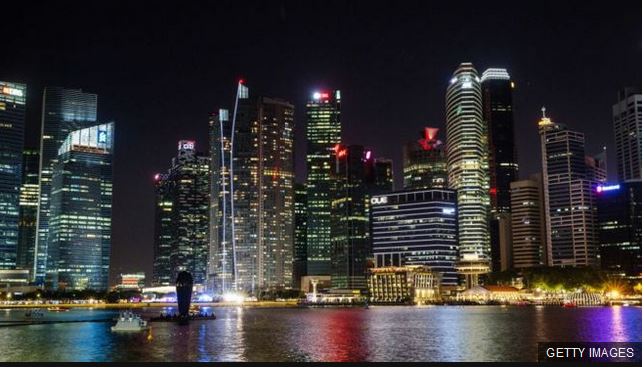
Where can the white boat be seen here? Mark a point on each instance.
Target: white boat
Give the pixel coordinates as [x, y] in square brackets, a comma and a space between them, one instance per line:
[129, 321]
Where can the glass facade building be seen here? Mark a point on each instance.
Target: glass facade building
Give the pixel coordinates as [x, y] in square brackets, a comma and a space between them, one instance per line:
[12, 131]
[80, 222]
[299, 235]
[323, 132]
[528, 223]
[181, 222]
[619, 210]
[353, 177]
[571, 218]
[468, 169]
[63, 111]
[425, 162]
[627, 125]
[416, 227]
[253, 226]
[28, 210]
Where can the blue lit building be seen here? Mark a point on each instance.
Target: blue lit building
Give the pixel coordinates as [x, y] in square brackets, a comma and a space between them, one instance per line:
[64, 111]
[416, 227]
[619, 211]
[80, 222]
[12, 131]
[28, 210]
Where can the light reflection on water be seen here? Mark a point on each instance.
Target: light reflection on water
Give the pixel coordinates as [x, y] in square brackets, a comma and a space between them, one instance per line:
[451, 333]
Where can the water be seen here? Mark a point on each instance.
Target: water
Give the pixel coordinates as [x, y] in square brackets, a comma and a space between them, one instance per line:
[443, 333]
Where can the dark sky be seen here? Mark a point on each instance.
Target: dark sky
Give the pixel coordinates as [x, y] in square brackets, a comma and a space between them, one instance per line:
[159, 70]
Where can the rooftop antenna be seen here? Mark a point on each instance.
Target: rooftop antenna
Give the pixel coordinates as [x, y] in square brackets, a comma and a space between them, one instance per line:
[543, 111]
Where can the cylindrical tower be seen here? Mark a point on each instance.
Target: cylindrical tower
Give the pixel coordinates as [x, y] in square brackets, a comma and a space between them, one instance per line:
[467, 169]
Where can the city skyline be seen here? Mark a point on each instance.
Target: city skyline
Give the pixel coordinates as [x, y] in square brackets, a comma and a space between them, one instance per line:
[358, 125]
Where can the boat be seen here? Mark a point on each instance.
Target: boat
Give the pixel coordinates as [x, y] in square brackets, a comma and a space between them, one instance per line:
[58, 309]
[569, 304]
[129, 321]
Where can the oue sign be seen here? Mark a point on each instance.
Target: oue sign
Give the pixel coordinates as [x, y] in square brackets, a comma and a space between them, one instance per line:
[379, 200]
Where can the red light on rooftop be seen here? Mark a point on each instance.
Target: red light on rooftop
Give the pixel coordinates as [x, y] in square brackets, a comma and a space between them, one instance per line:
[493, 190]
[241, 81]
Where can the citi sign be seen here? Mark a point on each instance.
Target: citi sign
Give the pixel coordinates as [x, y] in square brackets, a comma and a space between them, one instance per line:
[379, 200]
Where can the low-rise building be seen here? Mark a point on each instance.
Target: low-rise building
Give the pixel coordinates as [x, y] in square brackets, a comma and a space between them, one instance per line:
[491, 293]
[132, 281]
[404, 284]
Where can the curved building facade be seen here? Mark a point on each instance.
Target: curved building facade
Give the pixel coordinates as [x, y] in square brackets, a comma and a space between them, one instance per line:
[468, 168]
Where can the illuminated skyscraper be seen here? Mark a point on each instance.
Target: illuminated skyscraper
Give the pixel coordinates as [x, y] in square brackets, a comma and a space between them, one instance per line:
[63, 111]
[256, 250]
[12, 130]
[181, 226]
[425, 163]
[496, 87]
[353, 177]
[619, 210]
[627, 123]
[323, 130]
[571, 218]
[383, 176]
[467, 169]
[80, 223]
[28, 210]
[299, 235]
[528, 223]
[416, 227]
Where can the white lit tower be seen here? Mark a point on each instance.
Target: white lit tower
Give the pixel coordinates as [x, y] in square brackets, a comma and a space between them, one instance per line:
[468, 170]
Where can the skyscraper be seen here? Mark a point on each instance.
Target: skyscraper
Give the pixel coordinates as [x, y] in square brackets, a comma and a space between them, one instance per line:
[323, 129]
[181, 226]
[299, 235]
[352, 179]
[425, 162]
[467, 169]
[498, 115]
[28, 210]
[619, 210]
[63, 111]
[627, 123]
[255, 209]
[80, 223]
[571, 220]
[528, 223]
[416, 227]
[496, 88]
[12, 131]
[383, 176]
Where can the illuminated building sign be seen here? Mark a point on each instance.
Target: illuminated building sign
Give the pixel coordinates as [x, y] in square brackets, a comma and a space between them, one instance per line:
[448, 210]
[12, 91]
[379, 200]
[102, 136]
[186, 145]
[320, 95]
[607, 188]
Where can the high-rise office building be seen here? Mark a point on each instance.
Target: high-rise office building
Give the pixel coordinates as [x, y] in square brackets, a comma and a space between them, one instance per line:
[619, 210]
[596, 167]
[467, 169]
[383, 176]
[323, 129]
[353, 178]
[299, 235]
[28, 210]
[63, 111]
[571, 220]
[12, 132]
[255, 209]
[528, 223]
[496, 88]
[181, 223]
[425, 162]
[627, 124]
[416, 227]
[80, 222]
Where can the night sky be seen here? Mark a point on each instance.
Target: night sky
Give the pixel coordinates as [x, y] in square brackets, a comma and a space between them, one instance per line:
[159, 70]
